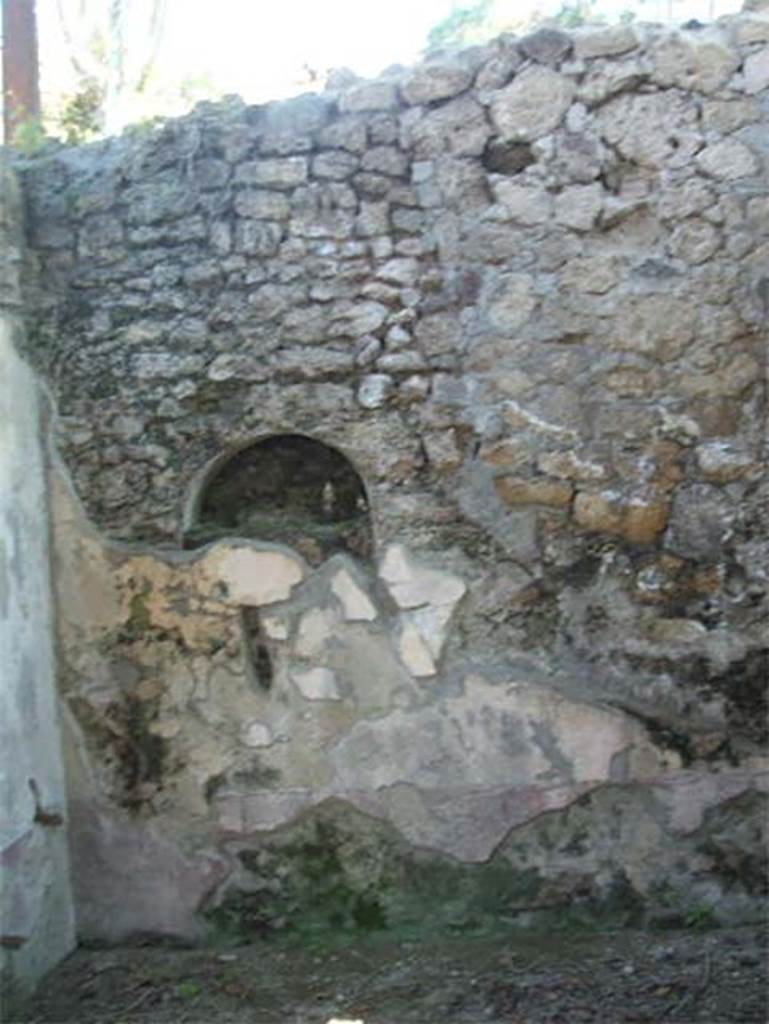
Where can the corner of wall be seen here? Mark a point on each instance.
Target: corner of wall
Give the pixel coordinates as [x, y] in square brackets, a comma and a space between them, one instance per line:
[36, 912]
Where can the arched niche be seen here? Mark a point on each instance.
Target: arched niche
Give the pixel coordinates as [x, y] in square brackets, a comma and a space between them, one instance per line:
[289, 489]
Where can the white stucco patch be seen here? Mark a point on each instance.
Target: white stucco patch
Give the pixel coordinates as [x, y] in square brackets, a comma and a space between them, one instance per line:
[274, 628]
[412, 586]
[427, 598]
[316, 627]
[257, 734]
[355, 602]
[247, 576]
[317, 684]
[414, 651]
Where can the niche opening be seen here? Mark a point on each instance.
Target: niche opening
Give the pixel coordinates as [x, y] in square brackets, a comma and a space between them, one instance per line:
[288, 489]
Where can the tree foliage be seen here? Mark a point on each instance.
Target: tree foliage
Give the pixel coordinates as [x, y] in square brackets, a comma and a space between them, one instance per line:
[112, 46]
[478, 22]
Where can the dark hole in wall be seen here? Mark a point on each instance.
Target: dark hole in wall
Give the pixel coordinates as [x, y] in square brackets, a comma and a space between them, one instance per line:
[257, 648]
[507, 157]
[288, 489]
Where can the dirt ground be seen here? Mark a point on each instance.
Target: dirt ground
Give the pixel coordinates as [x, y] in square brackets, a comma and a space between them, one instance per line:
[606, 977]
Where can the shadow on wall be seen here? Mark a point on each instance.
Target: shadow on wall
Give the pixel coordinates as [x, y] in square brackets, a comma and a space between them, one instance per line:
[289, 489]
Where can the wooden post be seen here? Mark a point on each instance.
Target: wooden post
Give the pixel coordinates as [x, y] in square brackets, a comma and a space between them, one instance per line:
[21, 77]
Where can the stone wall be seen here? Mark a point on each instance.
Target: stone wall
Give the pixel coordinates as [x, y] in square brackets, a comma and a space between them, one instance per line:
[36, 917]
[523, 290]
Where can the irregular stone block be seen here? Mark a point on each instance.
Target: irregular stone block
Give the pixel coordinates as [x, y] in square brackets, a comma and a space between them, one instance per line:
[607, 41]
[521, 491]
[262, 205]
[695, 241]
[336, 165]
[652, 129]
[638, 522]
[427, 83]
[700, 61]
[533, 105]
[257, 237]
[579, 206]
[676, 631]
[357, 319]
[592, 274]
[442, 451]
[726, 116]
[369, 96]
[279, 172]
[524, 204]
[599, 84]
[701, 522]
[385, 160]
[374, 390]
[755, 74]
[728, 160]
[546, 45]
[512, 303]
[570, 466]
[720, 462]
[346, 133]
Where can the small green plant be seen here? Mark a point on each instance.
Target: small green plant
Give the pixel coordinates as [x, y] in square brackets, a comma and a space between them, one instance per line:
[29, 136]
[700, 917]
[188, 989]
[82, 115]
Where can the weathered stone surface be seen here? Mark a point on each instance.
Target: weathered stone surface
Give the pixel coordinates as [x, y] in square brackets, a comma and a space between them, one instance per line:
[430, 82]
[607, 41]
[546, 45]
[513, 302]
[701, 61]
[374, 390]
[317, 684]
[640, 522]
[524, 204]
[117, 898]
[459, 127]
[518, 491]
[599, 84]
[652, 129]
[727, 160]
[262, 205]
[720, 462]
[285, 172]
[701, 521]
[527, 319]
[369, 96]
[532, 105]
[695, 241]
[756, 72]
[579, 206]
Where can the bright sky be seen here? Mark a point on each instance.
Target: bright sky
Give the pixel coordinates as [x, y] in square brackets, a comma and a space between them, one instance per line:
[256, 44]
[261, 49]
